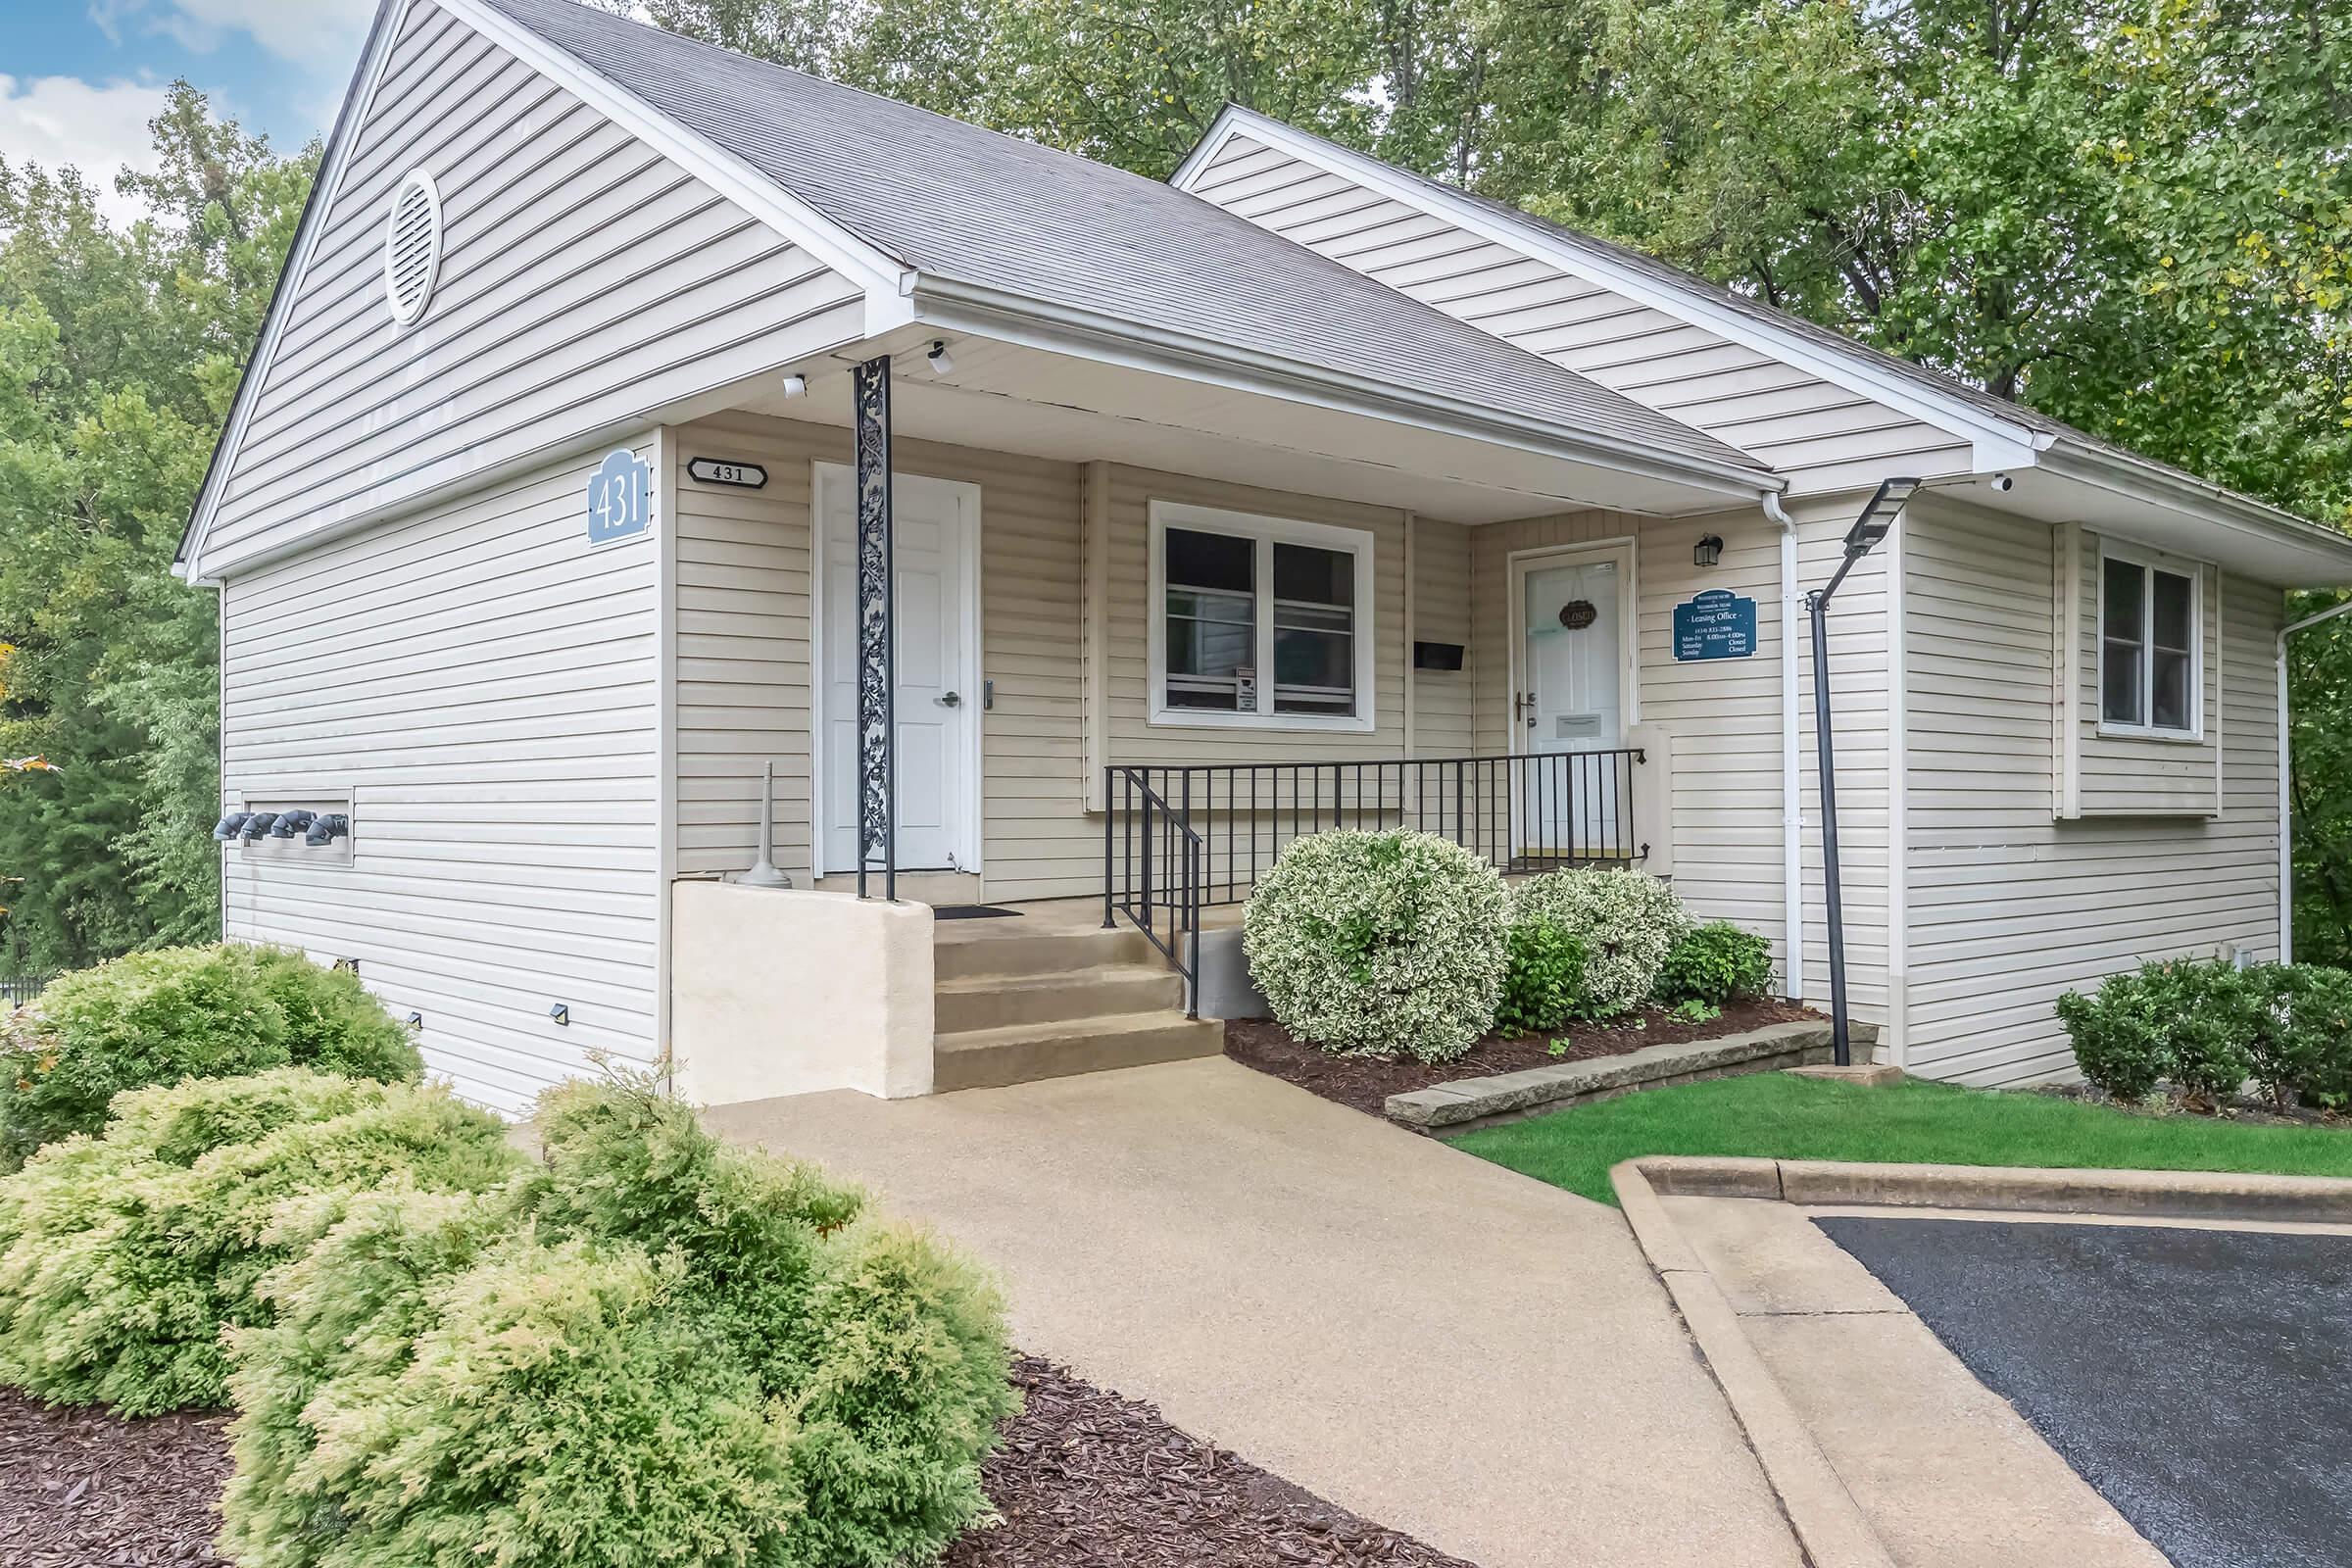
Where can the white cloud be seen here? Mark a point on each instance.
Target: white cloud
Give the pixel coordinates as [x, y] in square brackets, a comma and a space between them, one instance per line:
[319, 36]
[98, 128]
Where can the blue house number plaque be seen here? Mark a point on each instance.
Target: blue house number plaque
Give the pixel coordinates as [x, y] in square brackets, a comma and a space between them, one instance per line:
[621, 499]
[1715, 624]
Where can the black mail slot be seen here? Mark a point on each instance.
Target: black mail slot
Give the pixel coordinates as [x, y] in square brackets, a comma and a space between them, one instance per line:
[1436, 656]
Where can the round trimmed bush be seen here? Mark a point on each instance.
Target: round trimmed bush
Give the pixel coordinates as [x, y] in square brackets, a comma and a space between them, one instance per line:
[149, 1018]
[1628, 921]
[1379, 943]
[123, 1257]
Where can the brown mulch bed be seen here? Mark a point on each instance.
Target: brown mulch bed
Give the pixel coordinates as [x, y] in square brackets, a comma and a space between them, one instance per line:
[1365, 1083]
[1085, 1480]
[82, 1489]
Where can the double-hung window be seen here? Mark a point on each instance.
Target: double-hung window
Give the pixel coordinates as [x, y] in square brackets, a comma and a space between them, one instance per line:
[2148, 655]
[1259, 622]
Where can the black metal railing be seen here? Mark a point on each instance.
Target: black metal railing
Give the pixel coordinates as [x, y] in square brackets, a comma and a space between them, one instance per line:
[1181, 838]
[18, 989]
[1152, 862]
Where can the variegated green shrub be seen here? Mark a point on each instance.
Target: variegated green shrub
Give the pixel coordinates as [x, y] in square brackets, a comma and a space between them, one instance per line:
[1628, 921]
[1379, 943]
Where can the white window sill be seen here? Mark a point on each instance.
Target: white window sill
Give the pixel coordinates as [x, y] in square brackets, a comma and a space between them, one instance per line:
[1279, 723]
[2165, 737]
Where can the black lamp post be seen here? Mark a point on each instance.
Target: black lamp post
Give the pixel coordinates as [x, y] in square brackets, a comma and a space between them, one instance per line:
[1868, 528]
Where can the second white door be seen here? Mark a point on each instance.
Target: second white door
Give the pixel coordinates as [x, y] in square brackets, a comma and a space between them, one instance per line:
[935, 534]
[1571, 700]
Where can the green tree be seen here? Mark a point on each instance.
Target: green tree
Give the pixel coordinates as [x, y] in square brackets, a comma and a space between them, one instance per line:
[119, 348]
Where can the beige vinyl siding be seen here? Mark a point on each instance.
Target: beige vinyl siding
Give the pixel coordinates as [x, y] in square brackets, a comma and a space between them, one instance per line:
[585, 282]
[2010, 905]
[1724, 719]
[743, 654]
[2130, 775]
[482, 685]
[744, 658]
[1442, 725]
[1822, 437]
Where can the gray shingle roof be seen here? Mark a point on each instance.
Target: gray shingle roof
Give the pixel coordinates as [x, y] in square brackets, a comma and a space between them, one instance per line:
[973, 206]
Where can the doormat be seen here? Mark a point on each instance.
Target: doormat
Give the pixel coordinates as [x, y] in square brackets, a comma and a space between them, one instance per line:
[973, 911]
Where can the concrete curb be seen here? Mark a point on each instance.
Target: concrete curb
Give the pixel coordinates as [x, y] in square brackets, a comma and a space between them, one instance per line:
[1828, 1525]
[2176, 1195]
[1469, 1103]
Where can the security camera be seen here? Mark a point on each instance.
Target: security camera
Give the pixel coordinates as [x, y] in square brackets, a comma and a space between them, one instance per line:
[2002, 482]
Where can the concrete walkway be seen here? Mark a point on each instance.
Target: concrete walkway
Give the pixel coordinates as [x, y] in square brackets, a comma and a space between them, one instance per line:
[1433, 1342]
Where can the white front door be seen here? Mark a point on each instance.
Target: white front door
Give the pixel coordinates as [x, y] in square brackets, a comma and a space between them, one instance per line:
[1571, 699]
[934, 530]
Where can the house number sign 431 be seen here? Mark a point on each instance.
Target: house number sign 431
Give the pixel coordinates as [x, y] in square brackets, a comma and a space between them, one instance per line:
[723, 470]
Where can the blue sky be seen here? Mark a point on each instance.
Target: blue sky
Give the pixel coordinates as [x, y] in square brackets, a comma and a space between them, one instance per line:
[79, 79]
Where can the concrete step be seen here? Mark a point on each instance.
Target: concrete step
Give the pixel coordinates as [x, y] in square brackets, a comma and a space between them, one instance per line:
[990, 1059]
[999, 1000]
[1015, 946]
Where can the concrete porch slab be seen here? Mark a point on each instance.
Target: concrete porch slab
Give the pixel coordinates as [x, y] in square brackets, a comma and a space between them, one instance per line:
[1433, 1342]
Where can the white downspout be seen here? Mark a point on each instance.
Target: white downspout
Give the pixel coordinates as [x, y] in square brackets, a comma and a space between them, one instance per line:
[2286, 837]
[1792, 843]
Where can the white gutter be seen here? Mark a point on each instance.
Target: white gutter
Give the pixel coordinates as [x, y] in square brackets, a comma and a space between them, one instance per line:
[957, 306]
[1793, 800]
[2286, 837]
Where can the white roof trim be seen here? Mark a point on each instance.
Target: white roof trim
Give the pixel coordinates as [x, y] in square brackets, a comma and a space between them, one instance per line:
[2000, 443]
[1013, 318]
[390, 17]
[884, 278]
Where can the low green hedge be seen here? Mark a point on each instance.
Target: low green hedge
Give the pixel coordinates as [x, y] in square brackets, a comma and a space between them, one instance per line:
[2208, 1028]
[651, 1349]
[1714, 966]
[158, 1017]
[124, 1256]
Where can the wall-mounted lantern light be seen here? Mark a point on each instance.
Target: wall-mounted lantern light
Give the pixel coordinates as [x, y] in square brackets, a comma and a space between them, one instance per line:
[325, 828]
[1709, 550]
[255, 827]
[289, 823]
[226, 828]
[559, 1014]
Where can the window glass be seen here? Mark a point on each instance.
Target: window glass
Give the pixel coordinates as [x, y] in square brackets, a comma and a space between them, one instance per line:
[2122, 618]
[1314, 624]
[2172, 658]
[1211, 617]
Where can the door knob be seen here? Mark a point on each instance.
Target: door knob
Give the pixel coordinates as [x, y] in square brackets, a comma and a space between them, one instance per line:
[951, 700]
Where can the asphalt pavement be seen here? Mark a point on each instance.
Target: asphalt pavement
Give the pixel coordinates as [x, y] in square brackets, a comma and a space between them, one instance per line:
[2200, 1379]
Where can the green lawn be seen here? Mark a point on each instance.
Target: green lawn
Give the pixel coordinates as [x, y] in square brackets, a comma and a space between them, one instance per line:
[1774, 1115]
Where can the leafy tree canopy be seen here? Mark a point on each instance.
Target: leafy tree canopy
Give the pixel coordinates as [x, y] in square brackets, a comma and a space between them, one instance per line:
[119, 347]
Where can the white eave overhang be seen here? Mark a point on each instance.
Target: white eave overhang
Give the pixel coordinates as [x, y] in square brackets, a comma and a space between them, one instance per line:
[951, 305]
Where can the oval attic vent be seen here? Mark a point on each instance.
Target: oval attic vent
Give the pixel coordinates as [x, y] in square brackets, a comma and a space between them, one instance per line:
[412, 246]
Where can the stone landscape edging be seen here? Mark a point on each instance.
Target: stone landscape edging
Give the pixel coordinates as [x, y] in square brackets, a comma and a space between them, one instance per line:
[1828, 1525]
[1466, 1104]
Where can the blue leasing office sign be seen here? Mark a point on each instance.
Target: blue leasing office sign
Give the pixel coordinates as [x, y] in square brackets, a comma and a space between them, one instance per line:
[1715, 624]
[621, 499]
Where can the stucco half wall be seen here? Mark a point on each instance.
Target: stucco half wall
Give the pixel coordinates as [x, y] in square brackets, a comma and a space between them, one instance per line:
[779, 991]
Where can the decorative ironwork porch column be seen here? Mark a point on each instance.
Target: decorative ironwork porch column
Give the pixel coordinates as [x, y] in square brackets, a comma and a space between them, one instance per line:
[877, 674]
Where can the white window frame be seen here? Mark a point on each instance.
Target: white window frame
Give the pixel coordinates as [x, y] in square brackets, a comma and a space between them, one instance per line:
[2150, 562]
[1266, 532]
